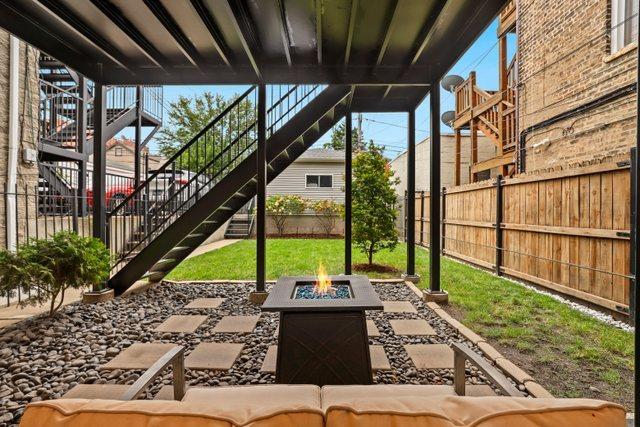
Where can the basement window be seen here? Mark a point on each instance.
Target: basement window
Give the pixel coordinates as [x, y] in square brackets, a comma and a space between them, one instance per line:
[319, 181]
[624, 23]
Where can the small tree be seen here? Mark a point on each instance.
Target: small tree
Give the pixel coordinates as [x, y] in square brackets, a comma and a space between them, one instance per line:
[374, 213]
[326, 212]
[338, 138]
[47, 268]
[279, 207]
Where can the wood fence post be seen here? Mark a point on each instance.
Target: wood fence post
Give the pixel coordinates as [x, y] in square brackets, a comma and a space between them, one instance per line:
[443, 217]
[498, 225]
[633, 268]
[422, 218]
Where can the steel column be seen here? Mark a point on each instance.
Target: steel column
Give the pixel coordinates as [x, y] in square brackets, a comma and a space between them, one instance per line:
[99, 162]
[411, 194]
[138, 137]
[635, 211]
[348, 157]
[434, 188]
[82, 145]
[261, 190]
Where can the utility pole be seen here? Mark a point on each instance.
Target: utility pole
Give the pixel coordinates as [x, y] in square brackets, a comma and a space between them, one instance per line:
[360, 140]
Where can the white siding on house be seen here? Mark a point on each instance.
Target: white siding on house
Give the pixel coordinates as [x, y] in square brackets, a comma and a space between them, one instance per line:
[293, 181]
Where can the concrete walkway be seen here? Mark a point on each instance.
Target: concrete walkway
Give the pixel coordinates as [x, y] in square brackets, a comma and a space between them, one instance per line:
[212, 247]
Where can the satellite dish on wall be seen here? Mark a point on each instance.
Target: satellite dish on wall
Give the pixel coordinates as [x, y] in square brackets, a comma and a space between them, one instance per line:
[448, 117]
[450, 82]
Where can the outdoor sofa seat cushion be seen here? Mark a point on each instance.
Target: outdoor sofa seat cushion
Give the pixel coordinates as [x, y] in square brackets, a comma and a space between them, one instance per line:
[350, 406]
[254, 406]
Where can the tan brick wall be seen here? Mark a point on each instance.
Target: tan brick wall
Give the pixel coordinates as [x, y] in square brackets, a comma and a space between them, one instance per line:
[564, 61]
[28, 125]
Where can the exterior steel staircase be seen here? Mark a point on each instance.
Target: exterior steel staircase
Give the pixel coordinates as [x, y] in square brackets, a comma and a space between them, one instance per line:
[173, 217]
[241, 223]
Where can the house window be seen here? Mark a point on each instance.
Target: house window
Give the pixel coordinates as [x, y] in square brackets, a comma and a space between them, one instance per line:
[118, 151]
[624, 23]
[316, 181]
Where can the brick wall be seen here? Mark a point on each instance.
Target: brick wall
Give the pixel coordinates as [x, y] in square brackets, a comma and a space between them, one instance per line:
[564, 61]
[28, 120]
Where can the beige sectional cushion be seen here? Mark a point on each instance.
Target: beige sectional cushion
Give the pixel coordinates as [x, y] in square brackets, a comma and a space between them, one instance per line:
[401, 409]
[255, 406]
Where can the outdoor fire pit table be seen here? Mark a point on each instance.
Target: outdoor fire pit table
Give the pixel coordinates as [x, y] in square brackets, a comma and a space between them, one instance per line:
[323, 337]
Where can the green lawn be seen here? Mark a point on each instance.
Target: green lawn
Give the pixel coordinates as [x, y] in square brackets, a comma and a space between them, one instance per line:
[569, 353]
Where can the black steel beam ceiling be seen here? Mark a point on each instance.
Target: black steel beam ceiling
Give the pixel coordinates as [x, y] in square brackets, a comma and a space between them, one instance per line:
[218, 39]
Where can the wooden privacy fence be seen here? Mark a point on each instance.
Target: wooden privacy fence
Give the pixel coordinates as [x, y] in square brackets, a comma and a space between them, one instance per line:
[568, 231]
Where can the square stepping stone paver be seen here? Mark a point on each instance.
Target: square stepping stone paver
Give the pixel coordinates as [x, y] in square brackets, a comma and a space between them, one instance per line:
[411, 327]
[398, 307]
[181, 323]
[96, 391]
[430, 356]
[478, 390]
[269, 363]
[138, 356]
[211, 355]
[379, 361]
[236, 324]
[205, 303]
[372, 329]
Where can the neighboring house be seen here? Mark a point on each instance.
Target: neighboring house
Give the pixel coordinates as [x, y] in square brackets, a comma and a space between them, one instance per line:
[447, 152]
[121, 152]
[318, 174]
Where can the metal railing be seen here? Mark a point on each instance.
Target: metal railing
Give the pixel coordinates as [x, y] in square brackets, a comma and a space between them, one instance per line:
[197, 167]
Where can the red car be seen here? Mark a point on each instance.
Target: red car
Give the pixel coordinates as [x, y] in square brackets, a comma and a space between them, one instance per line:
[114, 196]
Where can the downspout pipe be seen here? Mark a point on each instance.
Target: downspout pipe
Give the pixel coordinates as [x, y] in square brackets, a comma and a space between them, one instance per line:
[13, 143]
[602, 100]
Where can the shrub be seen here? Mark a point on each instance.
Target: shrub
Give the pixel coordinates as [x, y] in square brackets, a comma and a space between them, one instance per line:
[45, 269]
[279, 207]
[326, 212]
[374, 213]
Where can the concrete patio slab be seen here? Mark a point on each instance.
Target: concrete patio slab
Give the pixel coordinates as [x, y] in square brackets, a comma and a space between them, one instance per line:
[181, 323]
[379, 361]
[205, 303]
[269, 363]
[211, 355]
[398, 307]
[96, 391]
[236, 324]
[138, 356]
[478, 390]
[430, 356]
[372, 329]
[411, 327]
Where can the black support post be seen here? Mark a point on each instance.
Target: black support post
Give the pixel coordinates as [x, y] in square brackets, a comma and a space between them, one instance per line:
[348, 157]
[410, 273]
[498, 225]
[435, 293]
[422, 217]
[82, 146]
[635, 211]
[138, 137]
[261, 191]
[99, 163]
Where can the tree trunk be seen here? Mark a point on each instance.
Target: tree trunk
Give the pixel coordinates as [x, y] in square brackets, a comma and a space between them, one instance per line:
[370, 254]
[52, 308]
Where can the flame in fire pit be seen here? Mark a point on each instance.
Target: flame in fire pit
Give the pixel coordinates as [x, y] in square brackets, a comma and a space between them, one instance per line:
[323, 284]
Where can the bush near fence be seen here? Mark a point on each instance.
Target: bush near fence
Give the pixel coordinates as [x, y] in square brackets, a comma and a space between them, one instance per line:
[566, 230]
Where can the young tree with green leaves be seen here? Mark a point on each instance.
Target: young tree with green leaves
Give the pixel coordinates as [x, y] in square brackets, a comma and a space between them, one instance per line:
[374, 198]
[187, 116]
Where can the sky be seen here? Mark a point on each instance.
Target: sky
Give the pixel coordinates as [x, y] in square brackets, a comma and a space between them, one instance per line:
[388, 129]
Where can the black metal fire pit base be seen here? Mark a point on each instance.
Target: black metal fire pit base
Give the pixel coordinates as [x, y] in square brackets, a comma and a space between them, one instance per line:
[323, 341]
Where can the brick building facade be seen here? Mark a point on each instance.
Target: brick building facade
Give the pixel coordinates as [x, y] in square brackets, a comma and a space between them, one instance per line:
[28, 111]
[576, 70]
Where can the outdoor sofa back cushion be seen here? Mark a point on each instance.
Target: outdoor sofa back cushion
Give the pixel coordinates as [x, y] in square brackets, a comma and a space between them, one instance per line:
[252, 406]
[402, 408]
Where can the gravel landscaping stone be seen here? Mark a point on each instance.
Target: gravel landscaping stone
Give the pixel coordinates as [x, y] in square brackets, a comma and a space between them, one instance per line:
[42, 358]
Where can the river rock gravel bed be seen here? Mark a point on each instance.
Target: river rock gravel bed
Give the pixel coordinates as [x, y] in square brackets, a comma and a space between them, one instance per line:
[42, 358]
